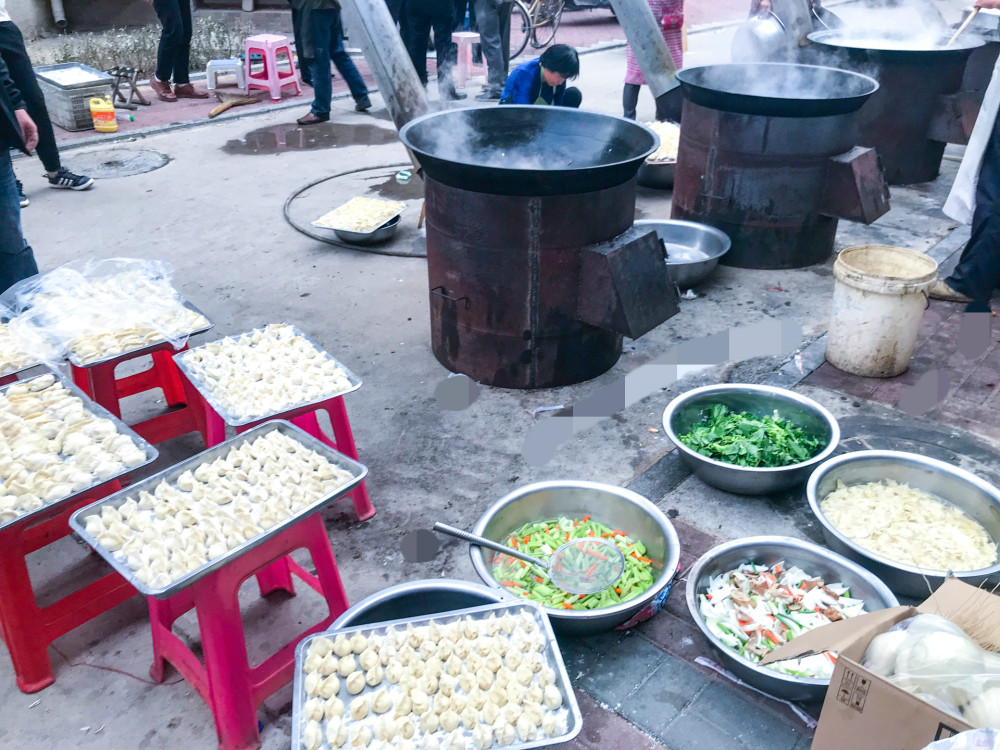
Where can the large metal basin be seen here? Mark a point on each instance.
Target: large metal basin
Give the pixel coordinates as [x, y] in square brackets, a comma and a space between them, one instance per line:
[977, 498]
[768, 550]
[416, 599]
[693, 249]
[623, 508]
[689, 408]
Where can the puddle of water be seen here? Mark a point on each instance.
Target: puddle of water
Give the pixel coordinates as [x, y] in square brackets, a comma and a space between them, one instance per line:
[389, 188]
[292, 137]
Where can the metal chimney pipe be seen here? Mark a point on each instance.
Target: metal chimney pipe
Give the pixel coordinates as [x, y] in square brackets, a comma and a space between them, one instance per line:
[58, 14]
[372, 26]
[646, 39]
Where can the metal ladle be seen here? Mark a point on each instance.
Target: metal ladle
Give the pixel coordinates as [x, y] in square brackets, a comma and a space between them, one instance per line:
[569, 567]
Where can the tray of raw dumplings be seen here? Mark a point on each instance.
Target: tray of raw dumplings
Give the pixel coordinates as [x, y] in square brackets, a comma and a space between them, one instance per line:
[13, 358]
[56, 443]
[470, 679]
[263, 372]
[168, 531]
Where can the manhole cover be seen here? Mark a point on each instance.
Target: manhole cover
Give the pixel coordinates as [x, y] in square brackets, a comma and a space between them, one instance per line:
[119, 162]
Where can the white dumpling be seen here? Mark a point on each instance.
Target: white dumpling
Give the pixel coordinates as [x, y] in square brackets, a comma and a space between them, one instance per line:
[334, 708]
[429, 742]
[355, 682]
[312, 663]
[449, 721]
[359, 708]
[477, 698]
[342, 645]
[330, 687]
[454, 741]
[312, 683]
[368, 658]
[429, 722]
[534, 693]
[442, 703]
[533, 712]
[405, 728]
[493, 661]
[404, 707]
[516, 693]
[527, 621]
[406, 655]
[453, 666]
[347, 665]
[360, 736]
[470, 628]
[484, 678]
[507, 624]
[359, 643]
[313, 709]
[469, 717]
[504, 677]
[482, 737]
[381, 702]
[484, 646]
[504, 733]
[524, 674]
[550, 725]
[498, 695]
[491, 712]
[546, 677]
[445, 648]
[526, 730]
[467, 682]
[393, 672]
[552, 697]
[474, 662]
[512, 712]
[384, 728]
[434, 632]
[428, 683]
[421, 701]
[321, 646]
[336, 733]
[374, 675]
[447, 685]
[312, 735]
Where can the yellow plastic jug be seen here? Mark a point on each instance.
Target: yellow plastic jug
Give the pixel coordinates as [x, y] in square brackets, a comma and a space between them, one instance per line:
[103, 112]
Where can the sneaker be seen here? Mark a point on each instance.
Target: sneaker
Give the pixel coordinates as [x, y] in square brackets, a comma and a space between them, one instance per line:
[66, 180]
[21, 196]
[162, 90]
[942, 291]
[363, 105]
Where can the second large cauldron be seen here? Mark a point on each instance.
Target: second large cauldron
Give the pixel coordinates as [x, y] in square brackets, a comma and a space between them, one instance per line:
[767, 154]
[534, 269]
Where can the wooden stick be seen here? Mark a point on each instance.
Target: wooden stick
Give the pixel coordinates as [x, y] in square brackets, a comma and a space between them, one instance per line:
[964, 26]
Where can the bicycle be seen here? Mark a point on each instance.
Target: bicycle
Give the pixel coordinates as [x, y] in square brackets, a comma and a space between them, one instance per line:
[536, 23]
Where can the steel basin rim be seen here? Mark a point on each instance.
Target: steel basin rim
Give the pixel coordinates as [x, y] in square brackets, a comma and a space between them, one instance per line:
[718, 234]
[691, 597]
[671, 562]
[907, 458]
[443, 584]
[683, 398]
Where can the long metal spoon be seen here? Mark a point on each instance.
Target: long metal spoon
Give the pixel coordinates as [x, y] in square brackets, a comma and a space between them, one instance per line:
[580, 566]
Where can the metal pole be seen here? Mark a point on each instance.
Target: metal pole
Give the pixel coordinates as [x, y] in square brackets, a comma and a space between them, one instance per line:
[373, 28]
[648, 45]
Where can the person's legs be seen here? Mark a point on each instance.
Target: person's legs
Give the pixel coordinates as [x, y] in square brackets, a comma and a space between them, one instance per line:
[978, 271]
[182, 59]
[572, 97]
[321, 33]
[488, 19]
[416, 44]
[504, 20]
[171, 38]
[16, 56]
[446, 57]
[630, 99]
[17, 261]
[345, 64]
[305, 64]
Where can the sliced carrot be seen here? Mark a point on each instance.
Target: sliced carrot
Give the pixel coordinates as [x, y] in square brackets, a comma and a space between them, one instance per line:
[586, 518]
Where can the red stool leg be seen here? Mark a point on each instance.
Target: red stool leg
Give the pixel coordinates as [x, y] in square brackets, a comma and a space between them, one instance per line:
[163, 613]
[326, 566]
[310, 424]
[103, 387]
[211, 426]
[169, 378]
[345, 444]
[226, 663]
[19, 620]
[276, 577]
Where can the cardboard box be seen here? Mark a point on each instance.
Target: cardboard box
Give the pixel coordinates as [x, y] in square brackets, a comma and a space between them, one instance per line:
[864, 711]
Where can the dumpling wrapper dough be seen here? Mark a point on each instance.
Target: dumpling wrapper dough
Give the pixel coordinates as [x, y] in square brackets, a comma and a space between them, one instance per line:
[355, 682]
[359, 708]
[381, 702]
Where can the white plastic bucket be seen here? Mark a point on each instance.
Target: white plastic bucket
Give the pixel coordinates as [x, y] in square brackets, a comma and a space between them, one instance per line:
[879, 299]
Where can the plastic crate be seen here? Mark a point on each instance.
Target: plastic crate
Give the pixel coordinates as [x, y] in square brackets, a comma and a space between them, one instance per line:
[69, 105]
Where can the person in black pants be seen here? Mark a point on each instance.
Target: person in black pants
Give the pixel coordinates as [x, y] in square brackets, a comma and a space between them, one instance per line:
[422, 16]
[15, 55]
[174, 54]
[493, 23]
[303, 44]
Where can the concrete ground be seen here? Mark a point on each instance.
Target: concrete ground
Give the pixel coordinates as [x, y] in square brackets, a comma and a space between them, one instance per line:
[215, 212]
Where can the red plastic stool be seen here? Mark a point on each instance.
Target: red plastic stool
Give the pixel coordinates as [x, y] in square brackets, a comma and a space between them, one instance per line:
[29, 629]
[99, 382]
[226, 681]
[213, 428]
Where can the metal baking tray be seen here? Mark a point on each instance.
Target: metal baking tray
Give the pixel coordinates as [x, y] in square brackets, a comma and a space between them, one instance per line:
[97, 411]
[78, 523]
[206, 392]
[551, 653]
[142, 349]
[97, 77]
[394, 217]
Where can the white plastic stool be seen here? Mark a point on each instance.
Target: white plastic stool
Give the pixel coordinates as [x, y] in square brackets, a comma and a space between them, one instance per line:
[464, 68]
[222, 67]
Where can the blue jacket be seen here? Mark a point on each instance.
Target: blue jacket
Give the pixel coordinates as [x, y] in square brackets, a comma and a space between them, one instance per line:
[524, 84]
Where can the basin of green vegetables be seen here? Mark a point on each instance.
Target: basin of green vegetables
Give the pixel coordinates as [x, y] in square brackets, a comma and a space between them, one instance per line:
[542, 538]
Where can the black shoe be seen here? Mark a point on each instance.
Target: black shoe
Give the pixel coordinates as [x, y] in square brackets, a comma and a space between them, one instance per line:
[455, 96]
[66, 180]
[487, 95]
[363, 105]
[21, 196]
[312, 119]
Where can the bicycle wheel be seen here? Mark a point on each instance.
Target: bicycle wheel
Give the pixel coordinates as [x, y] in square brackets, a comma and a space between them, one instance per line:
[545, 22]
[520, 28]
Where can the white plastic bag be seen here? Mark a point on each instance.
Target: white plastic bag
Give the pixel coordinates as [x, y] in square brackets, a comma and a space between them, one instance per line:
[976, 739]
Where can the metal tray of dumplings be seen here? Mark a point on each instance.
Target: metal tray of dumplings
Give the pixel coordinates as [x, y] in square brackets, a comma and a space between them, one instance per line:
[229, 419]
[78, 520]
[146, 348]
[97, 411]
[552, 656]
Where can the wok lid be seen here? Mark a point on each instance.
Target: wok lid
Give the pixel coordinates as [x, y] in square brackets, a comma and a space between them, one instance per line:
[776, 89]
[528, 150]
[884, 44]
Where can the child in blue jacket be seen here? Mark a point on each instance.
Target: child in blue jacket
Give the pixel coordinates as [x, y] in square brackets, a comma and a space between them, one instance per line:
[543, 81]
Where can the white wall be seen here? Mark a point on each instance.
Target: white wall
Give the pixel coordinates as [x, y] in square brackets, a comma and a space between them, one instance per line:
[33, 17]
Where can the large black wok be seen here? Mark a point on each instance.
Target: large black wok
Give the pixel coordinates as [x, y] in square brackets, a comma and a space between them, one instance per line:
[883, 45]
[776, 89]
[528, 150]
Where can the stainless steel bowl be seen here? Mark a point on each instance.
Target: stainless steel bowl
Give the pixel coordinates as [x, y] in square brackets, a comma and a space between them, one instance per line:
[685, 411]
[417, 598]
[382, 234]
[761, 38]
[767, 550]
[658, 175]
[617, 506]
[693, 250]
[968, 492]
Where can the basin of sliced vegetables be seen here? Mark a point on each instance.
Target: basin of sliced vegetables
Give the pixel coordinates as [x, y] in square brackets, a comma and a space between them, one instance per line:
[753, 609]
[542, 538]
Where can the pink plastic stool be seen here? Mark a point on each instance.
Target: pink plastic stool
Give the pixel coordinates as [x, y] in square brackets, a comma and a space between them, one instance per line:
[465, 68]
[29, 629]
[226, 681]
[273, 80]
[213, 427]
[99, 382]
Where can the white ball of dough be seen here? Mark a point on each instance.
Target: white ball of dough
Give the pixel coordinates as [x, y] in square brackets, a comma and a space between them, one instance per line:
[355, 683]
[347, 665]
[553, 698]
[359, 708]
[381, 702]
